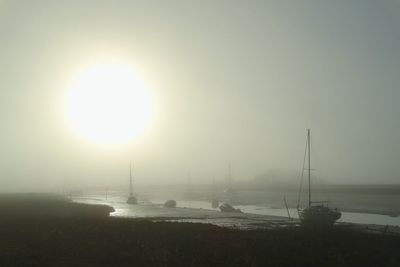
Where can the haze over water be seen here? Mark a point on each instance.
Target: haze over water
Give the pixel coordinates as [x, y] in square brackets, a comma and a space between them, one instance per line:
[225, 81]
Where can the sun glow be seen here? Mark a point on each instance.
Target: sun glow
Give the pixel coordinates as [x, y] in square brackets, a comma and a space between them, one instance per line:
[109, 104]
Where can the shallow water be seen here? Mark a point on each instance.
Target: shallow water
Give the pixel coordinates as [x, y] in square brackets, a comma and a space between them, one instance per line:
[202, 210]
[351, 217]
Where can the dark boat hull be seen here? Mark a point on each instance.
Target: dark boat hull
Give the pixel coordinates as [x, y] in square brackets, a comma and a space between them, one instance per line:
[132, 201]
[228, 208]
[318, 216]
[170, 204]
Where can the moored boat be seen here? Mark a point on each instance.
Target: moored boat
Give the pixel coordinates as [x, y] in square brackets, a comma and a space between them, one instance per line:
[131, 199]
[225, 207]
[170, 203]
[316, 214]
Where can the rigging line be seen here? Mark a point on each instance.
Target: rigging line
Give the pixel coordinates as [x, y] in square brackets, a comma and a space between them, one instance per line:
[302, 175]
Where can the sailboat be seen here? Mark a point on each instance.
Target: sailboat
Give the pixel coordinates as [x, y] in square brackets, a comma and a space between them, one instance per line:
[131, 199]
[229, 191]
[229, 194]
[316, 214]
[214, 199]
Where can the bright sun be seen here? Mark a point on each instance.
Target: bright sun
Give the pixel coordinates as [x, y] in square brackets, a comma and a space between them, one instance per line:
[109, 104]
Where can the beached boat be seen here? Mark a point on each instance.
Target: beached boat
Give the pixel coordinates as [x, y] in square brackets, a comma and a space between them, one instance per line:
[316, 214]
[214, 199]
[131, 199]
[229, 191]
[170, 203]
[225, 207]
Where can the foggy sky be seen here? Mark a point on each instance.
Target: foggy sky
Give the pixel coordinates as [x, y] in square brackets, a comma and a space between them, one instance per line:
[232, 81]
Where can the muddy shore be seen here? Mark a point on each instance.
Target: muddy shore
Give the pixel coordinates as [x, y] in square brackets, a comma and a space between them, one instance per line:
[94, 239]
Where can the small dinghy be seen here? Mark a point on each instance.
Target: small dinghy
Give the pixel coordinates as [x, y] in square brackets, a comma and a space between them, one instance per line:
[170, 203]
[228, 208]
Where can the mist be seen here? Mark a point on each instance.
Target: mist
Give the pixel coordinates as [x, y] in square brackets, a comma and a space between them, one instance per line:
[232, 83]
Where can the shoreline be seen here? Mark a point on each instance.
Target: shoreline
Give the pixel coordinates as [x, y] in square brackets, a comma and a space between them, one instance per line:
[54, 205]
[201, 209]
[87, 238]
[365, 209]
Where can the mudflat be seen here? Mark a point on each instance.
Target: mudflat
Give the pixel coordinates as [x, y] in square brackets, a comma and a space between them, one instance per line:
[107, 241]
[42, 230]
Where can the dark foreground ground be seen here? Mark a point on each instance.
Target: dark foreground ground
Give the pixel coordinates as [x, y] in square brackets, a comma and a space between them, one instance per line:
[103, 241]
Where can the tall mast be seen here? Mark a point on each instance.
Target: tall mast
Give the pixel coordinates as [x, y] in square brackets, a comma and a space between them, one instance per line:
[130, 180]
[229, 176]
[213, 188]
[309, 168]
[189, 182]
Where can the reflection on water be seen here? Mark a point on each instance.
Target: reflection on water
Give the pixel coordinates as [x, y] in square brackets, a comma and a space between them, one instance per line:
[351, 217]
[203, 210]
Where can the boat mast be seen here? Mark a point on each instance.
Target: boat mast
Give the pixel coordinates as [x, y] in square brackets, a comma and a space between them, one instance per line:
[130, 180]
[229, 176]
[213, 188]
[309, 168]
[189, 182]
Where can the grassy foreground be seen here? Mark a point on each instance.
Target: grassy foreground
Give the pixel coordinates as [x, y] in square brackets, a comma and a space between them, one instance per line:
[104, 241]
